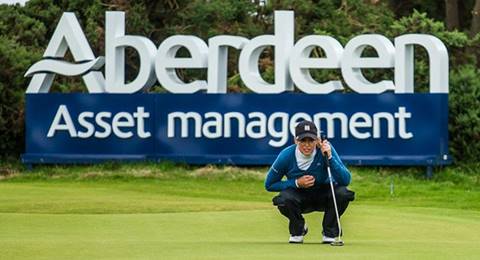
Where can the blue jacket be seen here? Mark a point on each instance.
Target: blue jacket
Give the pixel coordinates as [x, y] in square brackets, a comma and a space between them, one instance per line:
[286, 165]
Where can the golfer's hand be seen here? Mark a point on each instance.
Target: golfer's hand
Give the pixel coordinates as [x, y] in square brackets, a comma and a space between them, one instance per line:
[325, 147]
[306, 181]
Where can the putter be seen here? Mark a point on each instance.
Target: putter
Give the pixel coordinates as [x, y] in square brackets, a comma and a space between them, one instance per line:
[338, 240]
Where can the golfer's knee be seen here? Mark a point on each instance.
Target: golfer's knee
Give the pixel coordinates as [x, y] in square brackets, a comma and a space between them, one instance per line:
[285, 202]
[286, 199]
[343, 194]
[289, 208]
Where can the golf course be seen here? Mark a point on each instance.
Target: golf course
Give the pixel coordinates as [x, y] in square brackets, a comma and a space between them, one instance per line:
[168, 211]
[160, 129]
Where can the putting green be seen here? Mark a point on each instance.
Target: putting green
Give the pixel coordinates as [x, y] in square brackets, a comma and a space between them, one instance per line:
[371, 231]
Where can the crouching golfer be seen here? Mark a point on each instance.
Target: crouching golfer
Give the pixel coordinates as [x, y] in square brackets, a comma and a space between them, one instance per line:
[306, 187]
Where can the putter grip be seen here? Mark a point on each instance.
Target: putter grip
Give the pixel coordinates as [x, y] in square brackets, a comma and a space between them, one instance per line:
[323, 137]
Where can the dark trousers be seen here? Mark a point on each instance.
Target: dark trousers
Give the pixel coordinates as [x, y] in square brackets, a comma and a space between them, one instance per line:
[292, 203]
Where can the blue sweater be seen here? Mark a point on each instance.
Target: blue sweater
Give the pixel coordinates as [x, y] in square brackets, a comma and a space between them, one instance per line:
[286, 165]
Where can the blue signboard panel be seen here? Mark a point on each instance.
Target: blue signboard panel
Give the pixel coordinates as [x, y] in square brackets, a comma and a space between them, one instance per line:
[386, 129]
[99, 112]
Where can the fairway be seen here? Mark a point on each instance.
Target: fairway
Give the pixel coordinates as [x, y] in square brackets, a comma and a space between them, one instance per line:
[370, 232]
[181, 217]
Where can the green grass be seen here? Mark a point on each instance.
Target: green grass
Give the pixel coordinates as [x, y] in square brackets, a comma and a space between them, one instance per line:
[167, 211]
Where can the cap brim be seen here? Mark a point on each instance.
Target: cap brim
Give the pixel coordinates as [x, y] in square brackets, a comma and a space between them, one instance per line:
[306, 135]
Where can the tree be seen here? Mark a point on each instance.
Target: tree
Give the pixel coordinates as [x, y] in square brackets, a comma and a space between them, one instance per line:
[451, 9]
[475, 28]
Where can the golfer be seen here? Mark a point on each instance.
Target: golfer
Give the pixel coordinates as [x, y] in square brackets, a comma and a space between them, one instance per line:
[306, 187]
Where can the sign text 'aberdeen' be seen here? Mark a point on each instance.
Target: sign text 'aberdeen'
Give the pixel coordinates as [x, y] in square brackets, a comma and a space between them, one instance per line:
[292, 60]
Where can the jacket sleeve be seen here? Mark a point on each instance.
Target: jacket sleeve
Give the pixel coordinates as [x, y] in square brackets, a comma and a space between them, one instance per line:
[274, 182]
[340, 173]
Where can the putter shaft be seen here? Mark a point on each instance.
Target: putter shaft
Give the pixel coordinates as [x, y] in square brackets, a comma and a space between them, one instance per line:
[338, 238]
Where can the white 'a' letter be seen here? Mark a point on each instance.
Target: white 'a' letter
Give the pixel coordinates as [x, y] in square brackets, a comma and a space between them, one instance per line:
[67, 35]
[62, 113]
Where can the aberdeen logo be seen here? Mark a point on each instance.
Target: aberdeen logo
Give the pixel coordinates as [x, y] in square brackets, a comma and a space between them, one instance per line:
[292, 60]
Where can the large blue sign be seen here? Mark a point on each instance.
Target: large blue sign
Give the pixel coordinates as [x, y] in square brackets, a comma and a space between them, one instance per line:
[241, 129]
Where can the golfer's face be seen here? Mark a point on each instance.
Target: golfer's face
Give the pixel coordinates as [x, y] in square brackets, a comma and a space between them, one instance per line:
[306, 145]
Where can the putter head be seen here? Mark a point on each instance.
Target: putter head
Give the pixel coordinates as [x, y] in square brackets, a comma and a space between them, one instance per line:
[337, 242]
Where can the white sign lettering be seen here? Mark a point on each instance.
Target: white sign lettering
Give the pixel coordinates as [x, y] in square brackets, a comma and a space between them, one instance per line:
[292, 60]
[100, 125]
[258, 125]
